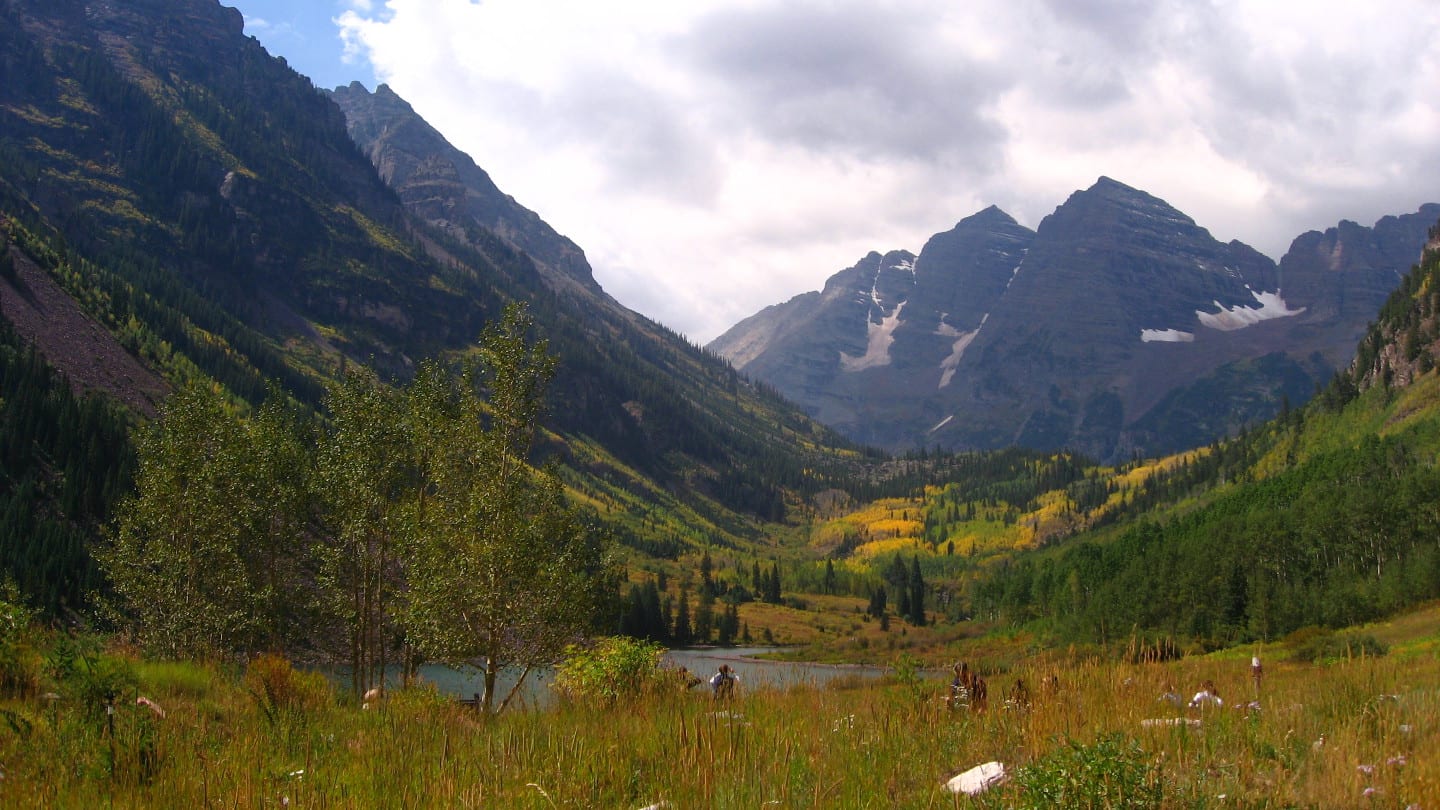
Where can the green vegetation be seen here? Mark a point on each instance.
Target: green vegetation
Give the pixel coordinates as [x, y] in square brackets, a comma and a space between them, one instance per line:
[1357, 731]
[416, 529]
[313, 491]
[69, 453]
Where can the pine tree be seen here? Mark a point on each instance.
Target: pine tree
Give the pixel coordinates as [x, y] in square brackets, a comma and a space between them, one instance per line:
[707, 581]
[683, 632]
[917, 594]
[704, 617]
[877, 602]
[772, 585]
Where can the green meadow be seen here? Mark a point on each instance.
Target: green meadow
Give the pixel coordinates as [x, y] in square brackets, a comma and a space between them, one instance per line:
[1343, 720]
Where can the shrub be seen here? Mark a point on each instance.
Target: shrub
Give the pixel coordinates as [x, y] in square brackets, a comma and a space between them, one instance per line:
[94, 680]
[613, 668]
[1111, 772]
[282, 691]
[1338, 646]
[19, 664]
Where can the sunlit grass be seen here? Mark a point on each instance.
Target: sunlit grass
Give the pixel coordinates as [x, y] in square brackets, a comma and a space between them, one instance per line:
[1322, 737]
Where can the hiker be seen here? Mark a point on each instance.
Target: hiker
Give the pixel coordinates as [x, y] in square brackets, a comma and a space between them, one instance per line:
[688, 679]
[1171, 696]
[1207, 696]
[967, 689]
[959, 687]
[1019, 699]
[723, 682]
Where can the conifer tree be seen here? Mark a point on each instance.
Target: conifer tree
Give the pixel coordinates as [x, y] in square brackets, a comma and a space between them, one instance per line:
[916, 601]
[683, 632]
[704, 617]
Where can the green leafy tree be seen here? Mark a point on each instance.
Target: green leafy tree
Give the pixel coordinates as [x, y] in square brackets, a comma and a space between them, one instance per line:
[363, 496]
[177, 553]
[502, 573]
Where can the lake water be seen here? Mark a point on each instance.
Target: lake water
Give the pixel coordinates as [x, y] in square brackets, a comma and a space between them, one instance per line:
[703, 662]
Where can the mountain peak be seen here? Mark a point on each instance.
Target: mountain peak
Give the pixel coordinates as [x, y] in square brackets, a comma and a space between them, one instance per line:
[991, 215]
[444, 186]
[1107, 188]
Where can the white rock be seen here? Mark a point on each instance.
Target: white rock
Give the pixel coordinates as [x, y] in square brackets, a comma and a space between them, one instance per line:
[978, 779]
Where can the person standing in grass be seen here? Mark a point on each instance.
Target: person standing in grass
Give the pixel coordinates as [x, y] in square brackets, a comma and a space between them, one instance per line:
[723, 682]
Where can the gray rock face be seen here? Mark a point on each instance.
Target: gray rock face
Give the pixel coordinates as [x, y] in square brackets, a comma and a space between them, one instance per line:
[443, 186]
[885, 334]
[1344, 275]
[1118, 326]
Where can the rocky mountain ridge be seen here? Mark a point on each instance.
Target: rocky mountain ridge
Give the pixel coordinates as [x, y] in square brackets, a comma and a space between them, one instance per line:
[1118, 326]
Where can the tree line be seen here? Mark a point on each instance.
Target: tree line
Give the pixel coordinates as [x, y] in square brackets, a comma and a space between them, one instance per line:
[64, 461]
[405, 526]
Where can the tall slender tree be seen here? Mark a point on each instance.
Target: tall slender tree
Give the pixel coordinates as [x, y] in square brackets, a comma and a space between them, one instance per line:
[916, 602]
[361, 488]
[503, 573]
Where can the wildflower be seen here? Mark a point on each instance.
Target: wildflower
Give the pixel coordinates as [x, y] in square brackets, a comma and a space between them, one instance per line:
[1397, 761]
[1368, 770]
[1369, 792]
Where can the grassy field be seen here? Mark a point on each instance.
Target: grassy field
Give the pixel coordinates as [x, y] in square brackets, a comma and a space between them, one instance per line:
[1350, 731]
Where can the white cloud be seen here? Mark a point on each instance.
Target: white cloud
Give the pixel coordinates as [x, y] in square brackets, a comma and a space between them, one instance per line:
[716, 157]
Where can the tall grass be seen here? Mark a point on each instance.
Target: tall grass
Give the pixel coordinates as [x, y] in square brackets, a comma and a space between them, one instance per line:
[1323, 735]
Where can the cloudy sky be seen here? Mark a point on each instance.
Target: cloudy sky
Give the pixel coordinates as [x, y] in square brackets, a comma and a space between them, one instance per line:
[713, 158]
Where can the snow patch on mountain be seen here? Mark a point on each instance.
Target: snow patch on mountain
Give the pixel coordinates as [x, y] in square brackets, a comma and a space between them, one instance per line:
[1229, 319]
[943, 423]
[1166, 336]
[1016, 271]
[879, 337]
[957, 349]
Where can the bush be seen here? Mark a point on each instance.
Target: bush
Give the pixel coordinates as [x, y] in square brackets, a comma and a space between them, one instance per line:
[1338, 646]
[19, 663]
[612, 669]
[95, 681]
[1111, 772]
[281, 691]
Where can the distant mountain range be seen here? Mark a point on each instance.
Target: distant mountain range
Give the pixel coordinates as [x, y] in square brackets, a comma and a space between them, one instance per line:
[1118, 327]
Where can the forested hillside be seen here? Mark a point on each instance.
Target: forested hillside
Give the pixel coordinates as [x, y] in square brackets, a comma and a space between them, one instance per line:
[1331, 520]
[64, 461]
[202, 205]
